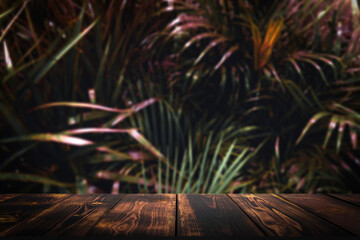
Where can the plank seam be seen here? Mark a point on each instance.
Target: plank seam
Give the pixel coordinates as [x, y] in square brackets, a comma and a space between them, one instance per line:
[248, 216]
[326, 220]
[106, 213]
[343, 200]
[176, 215]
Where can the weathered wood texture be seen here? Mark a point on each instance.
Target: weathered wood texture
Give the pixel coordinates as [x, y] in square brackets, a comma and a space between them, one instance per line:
[140, 214]
[7, 196]
[278, 217]
[16, 210]
[351, 198]
[212, 215]
[74, 216]
[184, 215]
[339, 212]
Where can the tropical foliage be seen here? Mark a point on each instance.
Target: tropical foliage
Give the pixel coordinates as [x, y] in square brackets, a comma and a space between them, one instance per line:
[180, 96]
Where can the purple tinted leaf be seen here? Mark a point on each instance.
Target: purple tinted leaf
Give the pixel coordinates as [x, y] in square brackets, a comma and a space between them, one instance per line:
[134, 108]
[209, 47]
[311, 122]
[352, 70]
[8, 61]
[108, 175]
[140, 156]
[49, 137]
[332, 125]
[353, 136]
[96, 130]
[92, 97]
[115, 187]
[8, 27]
[340, 134]
[81, 105]
[226, 56]
[277, 148]
[296, 66]
[198, 38]
[145, 143]
[300, 183]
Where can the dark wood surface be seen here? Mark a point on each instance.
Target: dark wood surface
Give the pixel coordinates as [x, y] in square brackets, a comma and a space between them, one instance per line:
[182, 215]
[212, 215]
[7, 196]
[74, 215]
[14, 211]
[140, 214]
[351, 198]
[278, 217]
[345, 215]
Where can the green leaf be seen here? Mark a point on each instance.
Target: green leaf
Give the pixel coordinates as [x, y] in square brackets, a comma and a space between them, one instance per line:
[311, 122]
[12, 20]
[62, 52]
[221, 167]
[7, 12]
[14, 121]
[6, 176]
[332, 125]
[234, 169]
[340, 134]
[17, 154]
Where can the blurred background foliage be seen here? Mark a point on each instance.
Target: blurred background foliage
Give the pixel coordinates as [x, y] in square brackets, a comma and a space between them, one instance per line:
[175, 96]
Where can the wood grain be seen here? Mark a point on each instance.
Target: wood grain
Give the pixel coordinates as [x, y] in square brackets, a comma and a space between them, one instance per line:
[4, 197]
[352, 198]
[140, 214]
[74, 216]
[339, 212]
[16, 210]
[197, 215]
[212, 215]
[278, 217]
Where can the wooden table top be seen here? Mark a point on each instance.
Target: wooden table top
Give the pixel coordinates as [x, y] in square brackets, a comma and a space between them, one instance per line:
[180, 215]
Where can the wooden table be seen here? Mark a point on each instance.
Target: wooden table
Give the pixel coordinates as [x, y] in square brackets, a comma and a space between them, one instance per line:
[246, 215]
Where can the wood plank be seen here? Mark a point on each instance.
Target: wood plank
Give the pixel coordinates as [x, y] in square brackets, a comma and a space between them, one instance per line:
[73, 216]
[278, 217]
[339, 212]
[4, 197]
[352, 198]
[18, 209]
[212, 215]
[140, 214]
